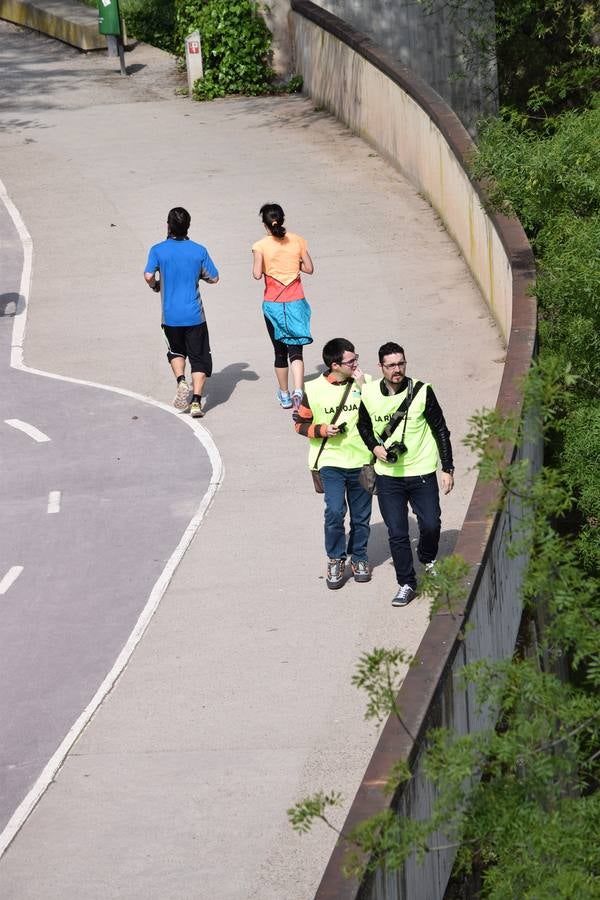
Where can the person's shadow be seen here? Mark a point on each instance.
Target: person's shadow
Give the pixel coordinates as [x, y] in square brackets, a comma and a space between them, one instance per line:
[379, 548]
[222, 384]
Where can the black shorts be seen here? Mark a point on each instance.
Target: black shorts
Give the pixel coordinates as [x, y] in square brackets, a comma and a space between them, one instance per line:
[191, 342]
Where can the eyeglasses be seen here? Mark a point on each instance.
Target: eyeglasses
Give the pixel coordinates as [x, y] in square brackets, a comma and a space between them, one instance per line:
[398, 365]
[350, 362]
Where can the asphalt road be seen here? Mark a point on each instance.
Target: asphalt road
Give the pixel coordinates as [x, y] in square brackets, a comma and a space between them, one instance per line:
[97, 489]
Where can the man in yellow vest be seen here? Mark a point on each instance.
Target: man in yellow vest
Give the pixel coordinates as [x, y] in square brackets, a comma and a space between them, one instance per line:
[406, 461]
[338, 453]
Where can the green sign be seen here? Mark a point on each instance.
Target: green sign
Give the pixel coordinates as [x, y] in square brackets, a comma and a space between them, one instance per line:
[109, 19]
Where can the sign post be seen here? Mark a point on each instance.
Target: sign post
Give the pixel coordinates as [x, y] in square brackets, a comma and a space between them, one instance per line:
[193, 60]
[109, 23]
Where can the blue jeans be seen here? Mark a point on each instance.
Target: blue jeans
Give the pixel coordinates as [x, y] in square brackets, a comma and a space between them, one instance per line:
[342, 485]
[394, 495]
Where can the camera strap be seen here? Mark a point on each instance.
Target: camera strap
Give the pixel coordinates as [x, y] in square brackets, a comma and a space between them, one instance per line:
[333, 421]
[401, 412]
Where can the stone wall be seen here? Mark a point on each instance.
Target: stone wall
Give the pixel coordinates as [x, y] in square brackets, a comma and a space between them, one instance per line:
[430, 43]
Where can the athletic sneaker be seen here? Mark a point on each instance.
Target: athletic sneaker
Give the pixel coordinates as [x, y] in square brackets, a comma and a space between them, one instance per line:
[335, 573]
[296, 399]
[196, 411]
[404, 595]
[361, 571]
[285, 401]
[182, 397]
[430, 567]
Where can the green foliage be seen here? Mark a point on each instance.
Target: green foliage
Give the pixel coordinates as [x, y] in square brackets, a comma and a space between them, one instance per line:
[380, 673]
[236, 45]
[547, 51]
[581, 465]
[548, 54]
[152, 21]
[519, 800]
[551, 181]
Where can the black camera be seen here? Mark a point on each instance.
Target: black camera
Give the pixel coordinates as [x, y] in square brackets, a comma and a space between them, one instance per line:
[396, 449]
[342, 427]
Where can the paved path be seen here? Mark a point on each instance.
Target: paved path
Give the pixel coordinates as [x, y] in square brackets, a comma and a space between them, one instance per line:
[80, 552]
[238, 699]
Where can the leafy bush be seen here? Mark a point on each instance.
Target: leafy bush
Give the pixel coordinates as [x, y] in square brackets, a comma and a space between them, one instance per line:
[548, 54]
[551, 181]
[152, 21]
[236, 44]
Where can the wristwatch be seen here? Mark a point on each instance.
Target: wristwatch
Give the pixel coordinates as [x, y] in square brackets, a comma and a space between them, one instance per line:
[449, 471]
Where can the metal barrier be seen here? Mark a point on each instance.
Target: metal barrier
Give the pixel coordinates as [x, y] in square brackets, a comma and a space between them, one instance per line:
[412, 126]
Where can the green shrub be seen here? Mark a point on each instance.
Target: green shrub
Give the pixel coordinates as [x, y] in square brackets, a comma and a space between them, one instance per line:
[152, 21]
[581, 464]
[551, 181]
[236, 44]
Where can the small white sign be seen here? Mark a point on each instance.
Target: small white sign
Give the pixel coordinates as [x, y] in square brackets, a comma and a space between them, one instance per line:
[193, 59]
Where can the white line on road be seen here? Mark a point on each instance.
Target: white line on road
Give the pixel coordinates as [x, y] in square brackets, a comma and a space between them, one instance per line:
[47, 775]
[31, 430]
[10, 578]
[54, 502]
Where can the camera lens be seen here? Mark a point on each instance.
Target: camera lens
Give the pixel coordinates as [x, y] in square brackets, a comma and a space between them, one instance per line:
[392, 456]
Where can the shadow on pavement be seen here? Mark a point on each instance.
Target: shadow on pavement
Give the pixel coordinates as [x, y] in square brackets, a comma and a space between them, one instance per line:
[221, 385]
[379, 548]
[9, 303]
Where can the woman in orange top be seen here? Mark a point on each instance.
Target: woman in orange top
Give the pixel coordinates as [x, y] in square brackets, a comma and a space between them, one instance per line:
[280, 257]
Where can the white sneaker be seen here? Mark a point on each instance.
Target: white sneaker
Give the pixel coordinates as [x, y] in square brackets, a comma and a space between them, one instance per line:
[182, 397]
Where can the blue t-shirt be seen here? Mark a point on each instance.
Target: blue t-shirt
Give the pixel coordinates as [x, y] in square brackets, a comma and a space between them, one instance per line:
[181, 264]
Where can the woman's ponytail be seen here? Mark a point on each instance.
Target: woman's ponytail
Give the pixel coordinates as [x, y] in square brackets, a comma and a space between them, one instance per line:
[273, 217]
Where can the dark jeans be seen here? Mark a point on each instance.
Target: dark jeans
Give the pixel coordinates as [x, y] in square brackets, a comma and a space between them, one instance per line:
[342, 485]
[394, 495]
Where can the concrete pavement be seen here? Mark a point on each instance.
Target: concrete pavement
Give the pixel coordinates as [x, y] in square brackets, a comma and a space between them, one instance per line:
[238, 700]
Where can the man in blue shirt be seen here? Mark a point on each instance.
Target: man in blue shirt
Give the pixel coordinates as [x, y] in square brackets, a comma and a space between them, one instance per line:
[175, 267]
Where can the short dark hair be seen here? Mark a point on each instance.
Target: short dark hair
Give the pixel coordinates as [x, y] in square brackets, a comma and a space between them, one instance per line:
[333, 351]
[388, 349]
[178, 221]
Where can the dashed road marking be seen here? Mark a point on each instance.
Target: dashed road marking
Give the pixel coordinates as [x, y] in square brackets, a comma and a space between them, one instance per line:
[31, 430]
[10, 578]
[54, 502]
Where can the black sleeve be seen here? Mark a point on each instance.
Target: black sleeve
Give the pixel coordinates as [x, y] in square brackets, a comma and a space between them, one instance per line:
[435, 419]
[365, 427]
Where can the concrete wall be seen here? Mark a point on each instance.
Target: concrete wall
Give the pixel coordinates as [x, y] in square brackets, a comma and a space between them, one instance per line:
[409, 123]
[65, 20]
[429, 41]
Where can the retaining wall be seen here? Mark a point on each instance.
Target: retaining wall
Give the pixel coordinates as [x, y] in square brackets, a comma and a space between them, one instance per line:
[406, 121]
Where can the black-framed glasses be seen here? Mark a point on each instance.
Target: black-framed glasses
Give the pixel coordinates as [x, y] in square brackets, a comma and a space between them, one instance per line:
[396, 365]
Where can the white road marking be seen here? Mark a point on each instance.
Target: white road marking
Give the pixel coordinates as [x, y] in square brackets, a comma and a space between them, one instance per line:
[31, 430]
[20, 815]
[10, 578]
[54, 502]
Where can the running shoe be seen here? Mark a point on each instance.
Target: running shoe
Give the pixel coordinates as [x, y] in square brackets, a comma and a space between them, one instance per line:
[196, 411]
[430, 567]
[335, 573]
[403, 595]
[296, 399]
[285, 401]
[182, 397]
[360, 570]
